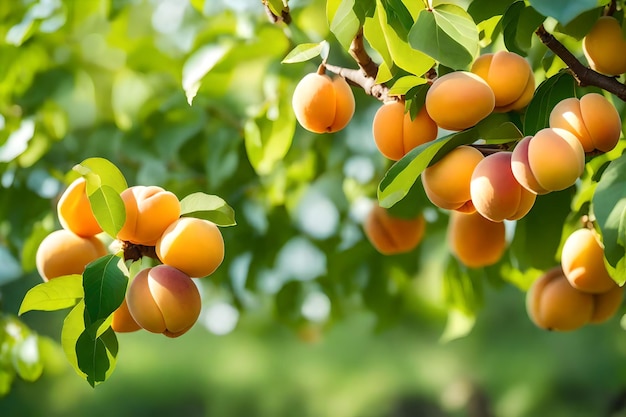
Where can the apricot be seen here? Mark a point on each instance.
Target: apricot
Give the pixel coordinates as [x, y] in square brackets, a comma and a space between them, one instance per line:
[607, 304]
[458, 100]
[64, 253]
[122, 321]
[392, 235]
[447, 182]
[495, 192]
[553, 304]
[474, 240]
[149, 211]
[74, 210]
[323, 104]
[396, 134]
[593, 120]
[510, 77]
[605, 47]
[582, 260]
[164, 300]
[194, 246]
[552, 160]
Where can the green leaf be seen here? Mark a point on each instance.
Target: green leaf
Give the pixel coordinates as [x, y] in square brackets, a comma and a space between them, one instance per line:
[462, 288]
[306, 51]
[208, 207]
[105, 285]
[344, 23]
[199, 64]
[27, 359]
[276, 6]
[448, 34]
[458, 325]
[73, 327]
[373, 33]
[482, 10]
[565, 10]
[519, 23]
[547, 95]
[99, 172]
[92, 357]
[56, 294]
[404, 84]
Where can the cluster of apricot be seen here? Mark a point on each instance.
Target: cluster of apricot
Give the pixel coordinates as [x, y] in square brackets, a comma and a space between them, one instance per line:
[577, 292]
[160, 299]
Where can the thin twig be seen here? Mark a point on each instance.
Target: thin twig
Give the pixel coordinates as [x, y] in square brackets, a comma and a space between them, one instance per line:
[357, 77]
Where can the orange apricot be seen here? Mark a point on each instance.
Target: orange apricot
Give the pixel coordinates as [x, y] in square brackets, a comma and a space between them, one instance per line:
[122, 321]
[447, 182]
[593, 120]
[74, 210]
[510, 77]
[323, 104]
[605, 47]
[495, 192]
[474, 240]
[164, 300]
[607, 304]
[64, 253]
[396, 134]
[194, 246]
[392, 235]
[149, 211]
[458, 100]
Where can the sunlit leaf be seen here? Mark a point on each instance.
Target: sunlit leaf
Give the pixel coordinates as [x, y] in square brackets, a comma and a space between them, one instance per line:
[305, 51]
[404, 84]
[99, 172]
[458, 325]
[56, 294]
[199, 65]
[73, 327]
[208, 207]
[108, 209]
[105, 285]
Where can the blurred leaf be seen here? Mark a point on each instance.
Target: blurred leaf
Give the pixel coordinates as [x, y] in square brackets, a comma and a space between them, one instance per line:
[564, 10]
[18, 141]
[446, 33]
[462, 288]
[130, 91]
[208, 207]
[458, 325]
[6, 380]
[276, 6]
[519, 23]
[11, 269]
[105, 285]
[26, 358]
[547, 95]
[306, 51]
[56, 294]
[199, 64]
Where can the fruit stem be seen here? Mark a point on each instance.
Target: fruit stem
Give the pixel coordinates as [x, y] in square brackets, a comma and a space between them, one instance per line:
[133, 252]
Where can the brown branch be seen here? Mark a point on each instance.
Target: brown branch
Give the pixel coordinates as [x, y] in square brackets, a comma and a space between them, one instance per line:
[611, 8]
[360, 55]
[357, 77]
[584, 75]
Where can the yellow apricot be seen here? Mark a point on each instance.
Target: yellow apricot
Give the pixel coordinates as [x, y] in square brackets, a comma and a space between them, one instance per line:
[447, 182]
[553, 304]
[64, 253]
[164, 300]
[396, 134]
[458, 100]
[323, 104]
[392, 235]
[149, 211]
[582, 260]
[192, 245]
[122, 321]
[552, 160]
[592, 119]
[474, 240]
[495, 192]
[510, 77]
[74, 210]
[607, 304]
[605, 47]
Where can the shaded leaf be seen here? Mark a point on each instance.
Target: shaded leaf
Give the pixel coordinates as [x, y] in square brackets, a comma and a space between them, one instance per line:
[208, 207]
[92, 357]
[565, 10]
[519, 23]
[105, 285]
[547, 95]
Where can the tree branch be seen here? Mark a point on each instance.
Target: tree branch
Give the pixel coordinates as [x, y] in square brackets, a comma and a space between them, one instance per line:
[285, 16]
[584, 75]
[357, 77]
[360, 55]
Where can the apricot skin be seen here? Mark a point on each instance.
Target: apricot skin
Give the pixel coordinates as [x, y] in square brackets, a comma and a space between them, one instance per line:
[323, 104]
[592, 119]
[149, 211]
[495, 192]
[396, 134]
[194, 246]
[63, 253]
[122, 321]
[582, 260]
[458, 100]
[392, 235]
[74, 210]
[552, 160]
[164, 300]
[510, 77]
[447, 182]
[474, 240]
[607, 304]
[605, 48]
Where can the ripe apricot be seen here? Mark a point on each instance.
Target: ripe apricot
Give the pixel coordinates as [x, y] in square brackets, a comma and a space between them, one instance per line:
[582, 260]
[149, 211]
[510, 77]
[447, 182]
[396, 134]
[192, 245]
[475, 240]
[164, 300]
[458, 100]
[64, 253]
[495, 192]
[552, 160]
[74, 210]
[392, 235]
[605, 47]
[122, 321]
[607, 304]
[592, 119]
[323, 104]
